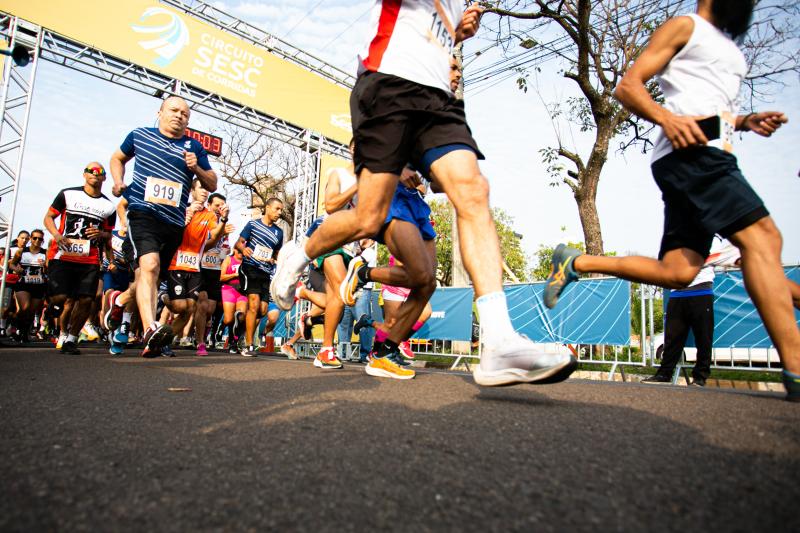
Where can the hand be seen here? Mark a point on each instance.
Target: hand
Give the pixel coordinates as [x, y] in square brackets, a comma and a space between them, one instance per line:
[228, 229]
[118, 188]
[62, 242]
[247, 252]
[224, 210]
[112, 267]
[190, 158]
[122, 231]
[470, 22]
[410, 178]
[683, 131]
[94, 233]
[766, 122]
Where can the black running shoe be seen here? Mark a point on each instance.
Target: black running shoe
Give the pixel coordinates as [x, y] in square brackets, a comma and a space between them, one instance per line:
[657, 378]
[70, 348]
[362, 322]
[792, 384]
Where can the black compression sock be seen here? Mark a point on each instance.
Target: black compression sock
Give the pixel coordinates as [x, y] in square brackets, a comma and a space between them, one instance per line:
[317, 320]
[385, 348]
[363, 274]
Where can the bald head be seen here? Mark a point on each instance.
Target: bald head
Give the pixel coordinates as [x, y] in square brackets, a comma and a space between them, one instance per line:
[173, 117]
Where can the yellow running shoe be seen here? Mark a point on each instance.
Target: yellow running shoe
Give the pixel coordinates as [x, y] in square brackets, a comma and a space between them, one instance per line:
[383, 367]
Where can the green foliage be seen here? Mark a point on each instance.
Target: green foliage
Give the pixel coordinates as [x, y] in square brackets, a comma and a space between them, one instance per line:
[544, 259]
[510, 243]
[636, 311]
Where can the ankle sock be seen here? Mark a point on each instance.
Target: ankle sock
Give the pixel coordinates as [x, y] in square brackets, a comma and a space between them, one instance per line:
[493, 312]
[71, 338]
[417, 326]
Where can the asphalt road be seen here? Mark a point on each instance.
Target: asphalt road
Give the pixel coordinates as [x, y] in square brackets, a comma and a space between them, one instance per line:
[92, 443]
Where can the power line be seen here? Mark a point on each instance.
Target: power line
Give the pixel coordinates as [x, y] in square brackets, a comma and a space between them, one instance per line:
[347, 28]
[302, 19]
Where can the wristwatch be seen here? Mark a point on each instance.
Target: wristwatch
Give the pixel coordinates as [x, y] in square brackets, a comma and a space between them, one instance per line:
[223, 219]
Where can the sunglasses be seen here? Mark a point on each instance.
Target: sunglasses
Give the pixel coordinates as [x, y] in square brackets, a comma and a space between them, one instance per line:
[37, 238]
[96, 171]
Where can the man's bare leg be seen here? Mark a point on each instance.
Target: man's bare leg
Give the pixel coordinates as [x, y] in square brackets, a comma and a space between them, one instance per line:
[147, 287]
[675, 271]
[765, 281]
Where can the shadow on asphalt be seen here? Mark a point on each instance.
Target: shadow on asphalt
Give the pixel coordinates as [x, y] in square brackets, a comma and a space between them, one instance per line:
[92, 442]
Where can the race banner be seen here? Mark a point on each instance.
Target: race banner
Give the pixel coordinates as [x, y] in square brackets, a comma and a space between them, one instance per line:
[160, 38]
[589, 311]
[452, 315]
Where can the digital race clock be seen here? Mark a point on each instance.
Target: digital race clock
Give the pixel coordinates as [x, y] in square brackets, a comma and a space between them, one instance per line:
[211, 143]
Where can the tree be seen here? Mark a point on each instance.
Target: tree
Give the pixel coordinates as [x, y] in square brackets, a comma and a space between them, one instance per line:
[510, 242]
[257, 168]
[596, 43]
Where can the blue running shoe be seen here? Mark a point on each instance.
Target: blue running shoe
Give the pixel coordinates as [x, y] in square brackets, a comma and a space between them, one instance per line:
[121, 334]
[116, 349]
[561, 274]
[792, 384]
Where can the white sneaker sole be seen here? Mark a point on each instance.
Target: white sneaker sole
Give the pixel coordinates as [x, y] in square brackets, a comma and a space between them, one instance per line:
[514, 376]
[379, 373]
[348, 281]
[285, 299]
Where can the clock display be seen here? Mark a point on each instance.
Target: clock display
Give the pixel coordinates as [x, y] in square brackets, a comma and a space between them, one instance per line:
[211, 143]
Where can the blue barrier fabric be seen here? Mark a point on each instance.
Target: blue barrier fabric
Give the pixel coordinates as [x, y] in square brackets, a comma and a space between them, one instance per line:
[736, 321]
[452, 315]
[589, 311]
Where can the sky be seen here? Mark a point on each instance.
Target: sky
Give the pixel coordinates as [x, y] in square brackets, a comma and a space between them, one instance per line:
[76, 119]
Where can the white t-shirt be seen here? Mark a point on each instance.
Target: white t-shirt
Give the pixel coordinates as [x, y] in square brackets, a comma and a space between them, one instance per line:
[412, 39]
[703, 79]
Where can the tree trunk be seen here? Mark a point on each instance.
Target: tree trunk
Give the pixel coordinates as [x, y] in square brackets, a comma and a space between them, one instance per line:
[590, 221]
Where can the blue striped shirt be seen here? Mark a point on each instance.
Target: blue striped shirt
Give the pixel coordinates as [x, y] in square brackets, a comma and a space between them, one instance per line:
[158, 156]
[265, 241]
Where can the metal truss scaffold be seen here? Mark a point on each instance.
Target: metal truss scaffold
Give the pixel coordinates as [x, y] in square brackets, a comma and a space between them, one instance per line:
[15, 107]
[262, 39]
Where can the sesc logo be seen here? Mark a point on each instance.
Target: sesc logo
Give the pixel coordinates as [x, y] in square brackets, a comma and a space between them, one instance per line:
[169, 38]
[342, 121]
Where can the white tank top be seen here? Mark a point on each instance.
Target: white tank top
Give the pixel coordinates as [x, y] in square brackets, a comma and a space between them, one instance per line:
[702, 79]
[346, 180]
[412, 39]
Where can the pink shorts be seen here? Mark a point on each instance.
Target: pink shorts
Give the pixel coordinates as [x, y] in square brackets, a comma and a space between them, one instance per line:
[232, 296]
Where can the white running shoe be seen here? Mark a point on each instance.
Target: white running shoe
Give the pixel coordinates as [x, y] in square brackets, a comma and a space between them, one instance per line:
[284, 282]
[60, 341]
[90, 331]
[518, 360]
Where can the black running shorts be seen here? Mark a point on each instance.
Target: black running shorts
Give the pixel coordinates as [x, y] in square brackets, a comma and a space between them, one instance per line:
[149, 234]
[316, 280]
[36, 290]
[395, 121]
[211, 285]
[72, 279]
[183, 285]
[253, 280]
[704, 194]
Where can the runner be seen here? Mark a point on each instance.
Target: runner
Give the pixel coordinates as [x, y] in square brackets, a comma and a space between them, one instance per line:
[30, 289]
[86, 219]
[166, 162]
[23, 237]
[234, 303]
[210, 268]
[340, 192]
[403, 111]
[259, 242]
[184, 280]
[700, 70]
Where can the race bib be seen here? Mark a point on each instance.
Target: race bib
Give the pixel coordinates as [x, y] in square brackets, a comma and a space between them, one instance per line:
[212, 260]
[262, 253]
[76, 248]
[187, 260]
[34, 280]
[727, 127]
[164, 192]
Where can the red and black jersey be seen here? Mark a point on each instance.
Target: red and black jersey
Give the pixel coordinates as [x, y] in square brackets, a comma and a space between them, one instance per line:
[78, 211]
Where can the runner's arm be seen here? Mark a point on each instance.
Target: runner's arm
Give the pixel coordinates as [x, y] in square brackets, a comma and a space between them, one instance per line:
[632, 93]
[117, 167]
[335, 198]
[122, 216]
[50, 226]
[223, 277]
[241, 245]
